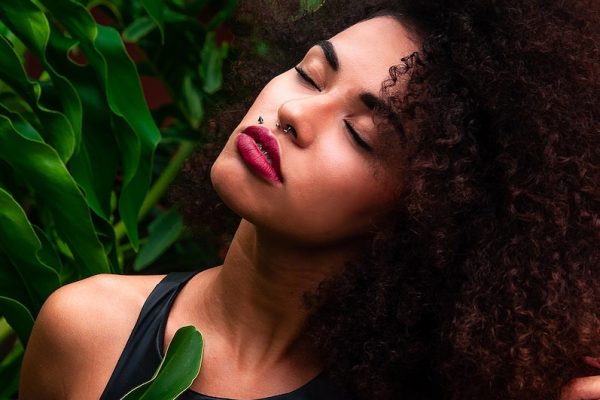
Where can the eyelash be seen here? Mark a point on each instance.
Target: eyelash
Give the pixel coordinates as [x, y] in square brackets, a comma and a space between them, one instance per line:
[306, 78]
[359, 140]
[355, 135]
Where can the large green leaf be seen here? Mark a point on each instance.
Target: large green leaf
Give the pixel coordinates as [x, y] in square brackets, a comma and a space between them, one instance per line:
[44, 171]
[137, 132]
[164, 231]
[94, 167]
[11, 284]
[18, 316]
[57, 128]
[30, 24]
[177, 370]
[156, 10]
[48, 254]
[21, 245]
[21, 124]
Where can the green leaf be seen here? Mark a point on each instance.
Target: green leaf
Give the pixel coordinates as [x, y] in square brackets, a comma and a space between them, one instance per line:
[57, 129]
[95, 166]
[106, 233]
[177, 370]
[138, 29]
[21, 124]
[164, 231]
[9, 372]
[21, 245]
[310, 6]
[47, 253]
[32, 27]
[18, 316]
[11, 284]
[193, 102]
[138, 135]
[211, 67]
[115, 7]
[156, 10]
[44, 171]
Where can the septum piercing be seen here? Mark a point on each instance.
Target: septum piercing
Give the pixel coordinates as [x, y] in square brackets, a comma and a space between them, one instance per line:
[288, 128]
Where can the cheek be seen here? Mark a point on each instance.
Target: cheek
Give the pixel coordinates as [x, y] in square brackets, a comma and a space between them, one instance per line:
[340, 194]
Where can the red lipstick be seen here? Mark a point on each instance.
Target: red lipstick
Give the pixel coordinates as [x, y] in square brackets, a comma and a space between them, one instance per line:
[260, 151]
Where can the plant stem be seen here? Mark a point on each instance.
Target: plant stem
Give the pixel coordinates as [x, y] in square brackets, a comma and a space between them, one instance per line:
[161, 185]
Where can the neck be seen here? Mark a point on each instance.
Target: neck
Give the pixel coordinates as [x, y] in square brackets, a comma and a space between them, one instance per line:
[256, 297]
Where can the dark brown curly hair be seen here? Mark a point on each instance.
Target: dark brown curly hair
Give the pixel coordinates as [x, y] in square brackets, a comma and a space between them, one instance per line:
[485, 285]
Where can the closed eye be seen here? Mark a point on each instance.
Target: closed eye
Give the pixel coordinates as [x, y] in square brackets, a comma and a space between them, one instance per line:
[306, 78]
[356, 136]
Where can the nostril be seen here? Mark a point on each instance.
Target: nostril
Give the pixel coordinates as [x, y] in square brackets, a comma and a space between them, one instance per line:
[290, 129]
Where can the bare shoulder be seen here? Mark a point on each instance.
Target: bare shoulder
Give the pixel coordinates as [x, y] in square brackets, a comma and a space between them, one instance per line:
[79, 335]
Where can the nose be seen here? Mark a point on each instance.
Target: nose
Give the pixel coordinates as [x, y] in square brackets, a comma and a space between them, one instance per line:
[305, 116]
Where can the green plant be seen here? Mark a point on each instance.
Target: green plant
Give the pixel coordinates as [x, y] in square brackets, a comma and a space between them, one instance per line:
[177, 370]
[83, 163]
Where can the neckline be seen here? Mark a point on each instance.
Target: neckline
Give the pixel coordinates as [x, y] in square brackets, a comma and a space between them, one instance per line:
[160, 344]
[281, 396]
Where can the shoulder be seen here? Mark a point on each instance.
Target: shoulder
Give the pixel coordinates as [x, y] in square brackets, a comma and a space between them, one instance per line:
[82, 325]
[87, 306]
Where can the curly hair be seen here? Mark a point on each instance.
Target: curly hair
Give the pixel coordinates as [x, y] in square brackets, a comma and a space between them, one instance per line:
[485, 284]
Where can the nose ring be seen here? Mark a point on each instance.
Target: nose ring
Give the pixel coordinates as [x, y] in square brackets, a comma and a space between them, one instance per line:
[290, 129]
[260, 119]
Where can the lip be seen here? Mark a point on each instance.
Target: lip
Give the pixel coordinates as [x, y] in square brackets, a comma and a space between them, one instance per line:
[248, 142]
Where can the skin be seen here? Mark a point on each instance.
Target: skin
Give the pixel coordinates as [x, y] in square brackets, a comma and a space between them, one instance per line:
[292, 236]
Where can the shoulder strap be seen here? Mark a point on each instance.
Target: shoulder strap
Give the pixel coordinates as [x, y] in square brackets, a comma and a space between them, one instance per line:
[142, 353]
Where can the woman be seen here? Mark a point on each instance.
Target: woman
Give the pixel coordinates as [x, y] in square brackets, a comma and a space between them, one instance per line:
[444, 226]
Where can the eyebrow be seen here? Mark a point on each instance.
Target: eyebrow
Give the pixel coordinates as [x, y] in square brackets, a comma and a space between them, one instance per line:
[330, 54]
[371, 101]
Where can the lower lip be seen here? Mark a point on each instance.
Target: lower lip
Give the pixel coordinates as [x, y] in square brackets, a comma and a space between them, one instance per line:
[255, 159]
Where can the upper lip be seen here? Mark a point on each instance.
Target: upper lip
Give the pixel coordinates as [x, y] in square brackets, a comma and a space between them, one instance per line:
[268, 143]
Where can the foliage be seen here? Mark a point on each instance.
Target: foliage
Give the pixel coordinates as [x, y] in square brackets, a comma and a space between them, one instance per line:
[84, 160]
[177, 370]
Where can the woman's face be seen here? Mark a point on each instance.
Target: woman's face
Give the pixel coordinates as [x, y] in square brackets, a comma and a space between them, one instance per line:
[335, 178]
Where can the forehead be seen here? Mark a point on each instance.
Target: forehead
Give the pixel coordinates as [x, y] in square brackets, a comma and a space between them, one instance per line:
[372, 46]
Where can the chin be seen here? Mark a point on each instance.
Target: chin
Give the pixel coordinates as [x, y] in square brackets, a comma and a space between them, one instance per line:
[230, 180]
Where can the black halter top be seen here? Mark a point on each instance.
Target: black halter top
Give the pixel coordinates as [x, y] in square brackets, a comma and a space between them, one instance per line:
[143, 352]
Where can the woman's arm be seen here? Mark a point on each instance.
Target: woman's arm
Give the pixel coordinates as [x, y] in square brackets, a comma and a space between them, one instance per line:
[586, 388]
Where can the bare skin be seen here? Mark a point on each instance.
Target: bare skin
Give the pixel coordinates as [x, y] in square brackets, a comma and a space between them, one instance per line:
[251, 331]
